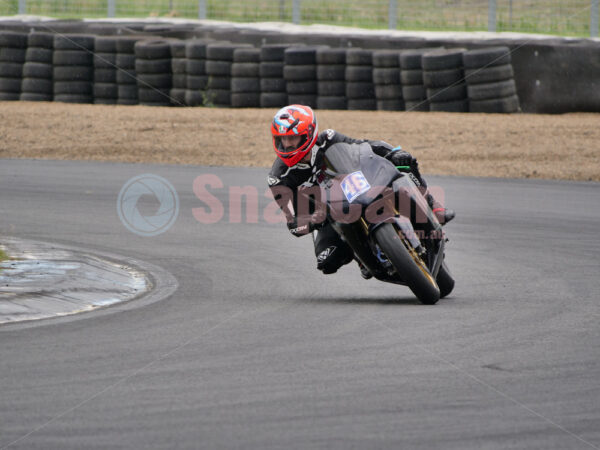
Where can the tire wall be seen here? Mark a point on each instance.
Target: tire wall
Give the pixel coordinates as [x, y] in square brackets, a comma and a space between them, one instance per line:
[551, 75]
[558, 78]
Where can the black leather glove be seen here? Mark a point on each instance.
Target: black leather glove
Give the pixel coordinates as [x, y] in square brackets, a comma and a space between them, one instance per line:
[305, 227]
[401, 158]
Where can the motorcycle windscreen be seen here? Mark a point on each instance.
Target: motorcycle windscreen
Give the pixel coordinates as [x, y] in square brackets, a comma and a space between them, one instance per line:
[360, 175]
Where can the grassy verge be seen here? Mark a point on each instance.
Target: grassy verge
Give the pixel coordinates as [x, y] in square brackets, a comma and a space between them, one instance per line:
[3, 257]
[530, 16]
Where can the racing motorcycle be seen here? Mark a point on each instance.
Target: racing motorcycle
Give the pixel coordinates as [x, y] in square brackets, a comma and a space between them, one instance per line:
[382, 215]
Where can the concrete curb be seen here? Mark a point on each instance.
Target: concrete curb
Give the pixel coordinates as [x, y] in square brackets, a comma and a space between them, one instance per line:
[48, 281]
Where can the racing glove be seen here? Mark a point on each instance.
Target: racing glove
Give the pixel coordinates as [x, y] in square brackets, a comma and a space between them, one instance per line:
[305, 227]
[401, 159]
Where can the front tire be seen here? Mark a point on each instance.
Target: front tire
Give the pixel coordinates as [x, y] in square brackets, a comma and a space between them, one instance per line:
[407, 263]
[445, 280]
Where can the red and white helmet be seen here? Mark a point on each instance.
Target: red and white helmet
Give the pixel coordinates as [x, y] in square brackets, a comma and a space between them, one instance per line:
[294, 120]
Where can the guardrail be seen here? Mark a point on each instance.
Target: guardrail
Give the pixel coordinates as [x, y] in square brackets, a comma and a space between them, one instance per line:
[570, 17]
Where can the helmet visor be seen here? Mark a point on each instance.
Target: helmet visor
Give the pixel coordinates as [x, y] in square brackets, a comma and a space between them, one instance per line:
[284, 146]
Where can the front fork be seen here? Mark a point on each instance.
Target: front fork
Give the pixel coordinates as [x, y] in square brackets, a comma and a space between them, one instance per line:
[358, 234]
[426, 244]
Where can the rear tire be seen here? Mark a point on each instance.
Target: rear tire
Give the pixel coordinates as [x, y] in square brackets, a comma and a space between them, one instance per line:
[411, 266]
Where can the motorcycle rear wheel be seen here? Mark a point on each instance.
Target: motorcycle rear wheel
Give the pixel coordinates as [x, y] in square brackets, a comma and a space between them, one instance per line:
[407, 263]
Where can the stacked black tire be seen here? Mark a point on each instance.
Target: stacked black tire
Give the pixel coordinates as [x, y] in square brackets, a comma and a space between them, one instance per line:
[245, 78]
[106, 89]
[490, 80]
[153, 70]
[360, 89]
[300, 75]
[273, 93]
[331, 78]
[37, 72]
[219, 59]
[73, 71]
[386, 77]
[197, 79]
[411, 77]
[13, 47]
[179, 71]
[443, 78]
[126, 76]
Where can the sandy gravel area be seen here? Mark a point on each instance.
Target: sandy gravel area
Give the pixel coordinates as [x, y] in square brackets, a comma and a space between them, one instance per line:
[519, 145]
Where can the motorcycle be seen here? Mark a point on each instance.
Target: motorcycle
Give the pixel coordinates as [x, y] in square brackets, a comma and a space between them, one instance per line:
[384, 218]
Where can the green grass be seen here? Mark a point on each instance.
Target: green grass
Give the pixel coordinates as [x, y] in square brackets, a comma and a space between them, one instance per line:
[3, 256]
[569, 18]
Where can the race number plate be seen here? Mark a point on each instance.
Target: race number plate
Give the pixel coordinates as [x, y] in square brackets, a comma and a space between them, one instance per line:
[355, 185]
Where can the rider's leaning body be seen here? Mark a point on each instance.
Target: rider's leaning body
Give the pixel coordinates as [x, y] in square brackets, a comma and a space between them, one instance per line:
[300, 148]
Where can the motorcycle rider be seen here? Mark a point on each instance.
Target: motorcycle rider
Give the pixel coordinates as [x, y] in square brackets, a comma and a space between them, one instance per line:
[300, 148]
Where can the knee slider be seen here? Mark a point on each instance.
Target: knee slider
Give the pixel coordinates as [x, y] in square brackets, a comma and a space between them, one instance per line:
[327, 260]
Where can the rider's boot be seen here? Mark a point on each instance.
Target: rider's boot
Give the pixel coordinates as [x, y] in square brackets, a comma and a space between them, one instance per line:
[443, 215]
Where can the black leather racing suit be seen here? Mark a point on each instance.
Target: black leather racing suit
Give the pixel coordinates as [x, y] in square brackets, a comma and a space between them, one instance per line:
[284, 181]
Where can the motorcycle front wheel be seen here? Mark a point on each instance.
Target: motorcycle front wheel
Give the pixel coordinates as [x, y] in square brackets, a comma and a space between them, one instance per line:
[408, 264]
[445, 280]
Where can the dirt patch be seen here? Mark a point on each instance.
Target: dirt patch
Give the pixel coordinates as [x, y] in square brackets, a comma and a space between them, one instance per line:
[519, 145]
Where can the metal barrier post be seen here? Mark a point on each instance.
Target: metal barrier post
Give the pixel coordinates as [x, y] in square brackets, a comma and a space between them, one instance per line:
[201, 9]
[281, 10]
[22, 7]
[111, 8]
[594, 18]
[392, 14]
[296, 11]
[492, 16]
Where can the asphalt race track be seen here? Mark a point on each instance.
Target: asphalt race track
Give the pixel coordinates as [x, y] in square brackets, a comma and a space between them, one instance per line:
[257, 350]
